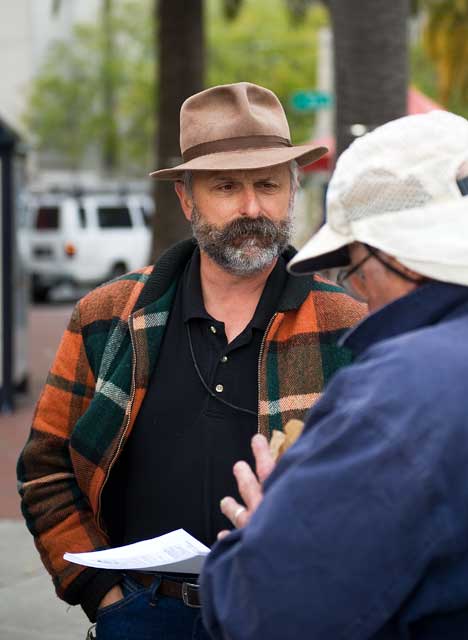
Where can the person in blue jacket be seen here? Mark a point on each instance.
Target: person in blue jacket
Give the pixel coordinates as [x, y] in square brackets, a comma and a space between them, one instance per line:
[361, 530]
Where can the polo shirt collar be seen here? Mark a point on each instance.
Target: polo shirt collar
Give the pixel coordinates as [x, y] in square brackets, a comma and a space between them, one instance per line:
[194, 307]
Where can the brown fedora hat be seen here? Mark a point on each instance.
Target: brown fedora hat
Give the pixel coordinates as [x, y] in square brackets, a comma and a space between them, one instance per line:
[235, 126]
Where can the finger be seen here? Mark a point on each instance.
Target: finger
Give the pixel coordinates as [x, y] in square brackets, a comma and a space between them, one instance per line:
[249, 487]
[264, 462]
[231, 509]
[222, 534]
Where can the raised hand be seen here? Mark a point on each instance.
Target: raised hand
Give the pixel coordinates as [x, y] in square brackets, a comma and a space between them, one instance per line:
[249, 484]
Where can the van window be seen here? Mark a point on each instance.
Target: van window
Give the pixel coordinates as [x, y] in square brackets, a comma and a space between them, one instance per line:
[82, 217]
[47, 218]
[112, 217]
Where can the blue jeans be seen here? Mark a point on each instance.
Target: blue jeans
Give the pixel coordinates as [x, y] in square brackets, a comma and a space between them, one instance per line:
[144, 615]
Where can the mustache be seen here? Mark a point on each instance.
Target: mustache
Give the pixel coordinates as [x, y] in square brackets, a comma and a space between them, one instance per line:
[244, 245]
[261, 228]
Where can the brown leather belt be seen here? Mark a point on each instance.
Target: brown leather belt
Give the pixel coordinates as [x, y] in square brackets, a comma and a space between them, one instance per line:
[185, 591]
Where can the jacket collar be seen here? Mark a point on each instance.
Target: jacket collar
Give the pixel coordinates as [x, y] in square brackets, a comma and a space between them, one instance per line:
[168, 268]
[171, 265]
[425, 306]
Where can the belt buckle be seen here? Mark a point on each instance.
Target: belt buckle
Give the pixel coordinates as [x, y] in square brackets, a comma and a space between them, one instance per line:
[186, 587]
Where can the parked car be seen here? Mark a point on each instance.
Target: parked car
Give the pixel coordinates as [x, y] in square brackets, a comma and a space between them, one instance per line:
[84, 241]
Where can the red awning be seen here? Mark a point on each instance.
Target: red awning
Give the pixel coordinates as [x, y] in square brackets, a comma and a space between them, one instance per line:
[420, 103]
[417, 103]
[325, 162]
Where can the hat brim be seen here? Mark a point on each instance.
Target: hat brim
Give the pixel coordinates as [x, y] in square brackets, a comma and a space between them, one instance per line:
[244, 159]
[327, 249]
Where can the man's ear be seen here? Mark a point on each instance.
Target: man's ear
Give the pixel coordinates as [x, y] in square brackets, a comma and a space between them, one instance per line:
[185, 202]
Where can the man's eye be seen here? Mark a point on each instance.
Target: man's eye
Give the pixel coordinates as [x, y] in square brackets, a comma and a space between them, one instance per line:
[269, 185]
[228, 186]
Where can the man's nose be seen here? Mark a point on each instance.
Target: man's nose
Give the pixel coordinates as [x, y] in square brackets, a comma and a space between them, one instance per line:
[250, 205]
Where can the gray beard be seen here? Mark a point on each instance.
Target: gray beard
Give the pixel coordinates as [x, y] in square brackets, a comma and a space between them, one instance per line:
[244, 246]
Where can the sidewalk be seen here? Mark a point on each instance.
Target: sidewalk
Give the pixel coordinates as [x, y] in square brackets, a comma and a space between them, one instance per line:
[29, 609]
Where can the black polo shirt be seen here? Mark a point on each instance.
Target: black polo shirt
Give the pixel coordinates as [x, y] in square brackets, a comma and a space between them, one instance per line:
[177, 463]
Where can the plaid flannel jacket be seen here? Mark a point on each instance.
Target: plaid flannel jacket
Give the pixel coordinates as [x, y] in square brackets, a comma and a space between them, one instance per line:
[99, 378]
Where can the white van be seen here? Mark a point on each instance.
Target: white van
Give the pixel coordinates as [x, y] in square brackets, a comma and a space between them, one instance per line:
[86, 240]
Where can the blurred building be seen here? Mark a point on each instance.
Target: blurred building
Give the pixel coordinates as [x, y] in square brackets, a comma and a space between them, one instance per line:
[26, 29]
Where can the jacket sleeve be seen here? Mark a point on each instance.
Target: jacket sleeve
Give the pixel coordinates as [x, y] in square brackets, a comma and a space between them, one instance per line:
[56, 510]
[348, 522]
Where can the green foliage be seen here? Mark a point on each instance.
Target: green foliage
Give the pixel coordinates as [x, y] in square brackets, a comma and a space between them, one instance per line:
[424, 77]
[65, 111]
[66, 108]
[61, 112]
[261, 47]
[231, 8]
[445, 42]
[298, 9]
[440, 60]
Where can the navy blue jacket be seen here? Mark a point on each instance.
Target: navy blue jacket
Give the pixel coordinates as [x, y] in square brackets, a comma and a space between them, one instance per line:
[363, 530]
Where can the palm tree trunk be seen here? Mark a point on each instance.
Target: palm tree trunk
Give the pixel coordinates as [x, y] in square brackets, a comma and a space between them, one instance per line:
[371, 64]
[180, 43]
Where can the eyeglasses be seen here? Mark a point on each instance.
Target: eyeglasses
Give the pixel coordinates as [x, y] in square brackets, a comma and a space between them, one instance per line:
[355, 287]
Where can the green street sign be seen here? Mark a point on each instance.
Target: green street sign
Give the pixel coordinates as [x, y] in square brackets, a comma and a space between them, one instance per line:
[307, 101]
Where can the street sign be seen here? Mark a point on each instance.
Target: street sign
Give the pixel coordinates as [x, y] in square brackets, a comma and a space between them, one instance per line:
[307, 101]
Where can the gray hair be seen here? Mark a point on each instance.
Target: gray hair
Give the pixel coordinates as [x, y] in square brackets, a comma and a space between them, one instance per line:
[294, 176]
[187, 179]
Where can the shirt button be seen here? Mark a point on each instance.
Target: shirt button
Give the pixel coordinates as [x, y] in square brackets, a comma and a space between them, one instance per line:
[213, 329]
[219, 388]
[224, 359]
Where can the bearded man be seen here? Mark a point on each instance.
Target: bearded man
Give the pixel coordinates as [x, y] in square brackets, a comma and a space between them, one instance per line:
[164, 375]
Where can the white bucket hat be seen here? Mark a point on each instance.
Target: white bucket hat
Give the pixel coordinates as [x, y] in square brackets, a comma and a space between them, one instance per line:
[396, 190]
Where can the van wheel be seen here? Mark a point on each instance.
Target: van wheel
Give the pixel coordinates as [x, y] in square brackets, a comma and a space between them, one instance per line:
[119, 269]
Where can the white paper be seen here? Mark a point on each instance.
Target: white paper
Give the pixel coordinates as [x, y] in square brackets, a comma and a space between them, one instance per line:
[177, 551]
